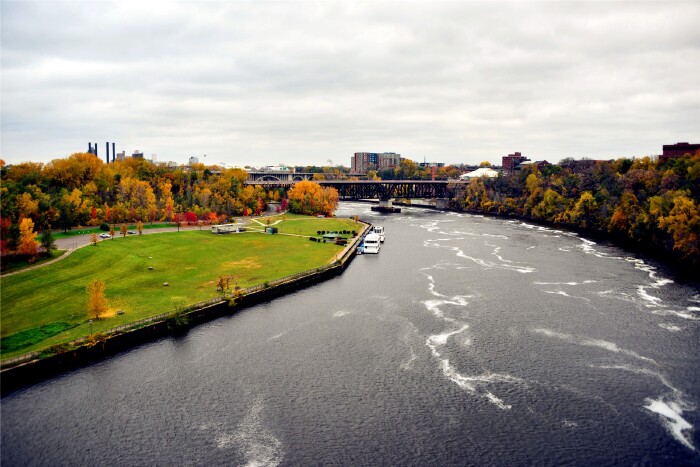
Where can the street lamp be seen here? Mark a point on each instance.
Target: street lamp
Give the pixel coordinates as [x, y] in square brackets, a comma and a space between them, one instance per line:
[90, 328]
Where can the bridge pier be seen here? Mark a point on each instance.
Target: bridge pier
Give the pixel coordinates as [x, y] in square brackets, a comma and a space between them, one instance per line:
[441, 203]
[385, 205]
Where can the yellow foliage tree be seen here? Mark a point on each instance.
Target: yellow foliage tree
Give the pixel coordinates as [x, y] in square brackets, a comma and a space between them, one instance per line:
[683, 222]
[97, 302]
[27, 205]
[27, 238]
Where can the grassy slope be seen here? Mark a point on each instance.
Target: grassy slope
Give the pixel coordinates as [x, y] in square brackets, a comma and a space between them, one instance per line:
[189, 261]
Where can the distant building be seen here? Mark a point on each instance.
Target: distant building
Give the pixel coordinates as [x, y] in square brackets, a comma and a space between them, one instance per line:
[511, 162]
[478, 173]
[137, 154]
[677, 150]
[362, 162]
[121, 156]
[423, 165]
[194, 160]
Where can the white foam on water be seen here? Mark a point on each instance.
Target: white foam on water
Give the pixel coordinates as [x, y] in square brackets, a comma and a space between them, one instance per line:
[277, 336]
[671, 413]
[341, 313]
[530, 247]
[409, 364]
[606, 345]
[693, 308]
[474, 384]
[301, 325]
[481, 262]
[564, 294]
[678, 313]
[670, 327]
[567, 250]
[669, 407]
[588, 281]
[614, 294]
[254, 440]
[441, 339]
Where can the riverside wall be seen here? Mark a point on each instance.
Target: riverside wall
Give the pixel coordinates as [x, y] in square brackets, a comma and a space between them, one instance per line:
[38, 369]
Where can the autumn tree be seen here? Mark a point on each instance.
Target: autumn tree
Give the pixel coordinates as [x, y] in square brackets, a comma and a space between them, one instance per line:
[310, 198]
[123, 229]
[683, 222]
[139, 227]
[96, 302]
[27, 238]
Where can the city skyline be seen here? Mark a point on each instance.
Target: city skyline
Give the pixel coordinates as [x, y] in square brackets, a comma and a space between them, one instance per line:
[272, 83]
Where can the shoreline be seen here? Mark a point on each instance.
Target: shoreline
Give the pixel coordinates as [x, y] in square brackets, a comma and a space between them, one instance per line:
[684, 271]
[26, 372]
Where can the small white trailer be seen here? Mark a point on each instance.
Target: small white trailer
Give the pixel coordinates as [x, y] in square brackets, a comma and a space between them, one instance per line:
[227, 228]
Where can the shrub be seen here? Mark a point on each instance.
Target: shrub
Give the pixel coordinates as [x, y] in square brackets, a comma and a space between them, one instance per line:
[104, 227]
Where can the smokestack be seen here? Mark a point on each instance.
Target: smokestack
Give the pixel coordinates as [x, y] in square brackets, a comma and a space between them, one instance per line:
[89, 148]
[95, 150]
[107, 144]
[114, 151]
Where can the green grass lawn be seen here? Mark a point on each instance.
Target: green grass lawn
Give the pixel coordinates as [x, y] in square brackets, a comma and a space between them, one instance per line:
[10, 265]
[305, 225]
[46, 306]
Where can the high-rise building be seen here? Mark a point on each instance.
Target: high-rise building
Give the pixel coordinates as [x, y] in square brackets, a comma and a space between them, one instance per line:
[362, 162]
[194, 160]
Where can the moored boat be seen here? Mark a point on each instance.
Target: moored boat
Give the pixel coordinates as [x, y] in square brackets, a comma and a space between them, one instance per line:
[371, 244]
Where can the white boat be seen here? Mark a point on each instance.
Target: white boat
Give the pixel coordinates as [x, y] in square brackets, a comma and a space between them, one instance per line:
[371, 243]
[379, 230]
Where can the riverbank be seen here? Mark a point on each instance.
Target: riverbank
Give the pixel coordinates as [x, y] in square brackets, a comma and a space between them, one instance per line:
[21, 371]
[684, 270]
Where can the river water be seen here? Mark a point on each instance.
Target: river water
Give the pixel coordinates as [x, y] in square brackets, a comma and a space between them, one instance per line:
[466, 341]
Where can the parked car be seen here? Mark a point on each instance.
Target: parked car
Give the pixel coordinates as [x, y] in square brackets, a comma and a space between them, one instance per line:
[105, 235]
[131, 232]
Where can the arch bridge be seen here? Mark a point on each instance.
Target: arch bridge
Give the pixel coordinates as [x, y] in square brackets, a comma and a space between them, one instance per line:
[276, 176]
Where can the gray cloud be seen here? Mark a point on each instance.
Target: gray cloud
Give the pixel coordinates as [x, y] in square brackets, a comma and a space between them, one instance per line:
[302, 82]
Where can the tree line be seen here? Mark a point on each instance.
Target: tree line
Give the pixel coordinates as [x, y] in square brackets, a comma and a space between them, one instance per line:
[82, 190]
[643, 201]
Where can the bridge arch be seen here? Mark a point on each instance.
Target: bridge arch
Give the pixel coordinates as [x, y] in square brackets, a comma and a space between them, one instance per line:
[267, 178]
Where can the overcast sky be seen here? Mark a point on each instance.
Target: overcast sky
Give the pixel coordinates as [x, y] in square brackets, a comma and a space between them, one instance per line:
[265, 83]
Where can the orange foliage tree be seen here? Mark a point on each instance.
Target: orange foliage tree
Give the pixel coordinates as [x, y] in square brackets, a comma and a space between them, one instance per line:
[310, 198]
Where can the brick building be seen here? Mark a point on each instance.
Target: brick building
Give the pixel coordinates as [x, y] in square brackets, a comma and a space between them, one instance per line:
[511, 162]
[677, 150]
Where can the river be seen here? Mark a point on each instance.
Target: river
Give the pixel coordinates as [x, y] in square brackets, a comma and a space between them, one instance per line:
[466, 341]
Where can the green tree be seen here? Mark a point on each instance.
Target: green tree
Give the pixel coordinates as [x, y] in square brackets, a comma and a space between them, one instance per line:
[47, 240]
